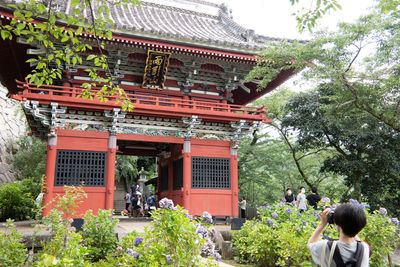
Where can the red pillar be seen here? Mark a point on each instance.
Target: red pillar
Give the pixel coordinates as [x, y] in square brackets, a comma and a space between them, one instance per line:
[187, 173]
[110, 175]
[49, 173]
[234, 181]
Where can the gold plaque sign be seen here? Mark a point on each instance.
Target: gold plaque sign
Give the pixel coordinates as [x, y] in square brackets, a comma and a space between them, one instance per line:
[156, 69]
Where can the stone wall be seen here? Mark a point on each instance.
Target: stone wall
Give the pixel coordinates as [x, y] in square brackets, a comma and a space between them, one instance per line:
[12, 126]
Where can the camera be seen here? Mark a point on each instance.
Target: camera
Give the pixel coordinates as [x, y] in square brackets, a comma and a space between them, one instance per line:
[330, 215]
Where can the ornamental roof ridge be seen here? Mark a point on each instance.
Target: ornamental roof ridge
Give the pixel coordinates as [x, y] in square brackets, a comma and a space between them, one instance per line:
[179, 9]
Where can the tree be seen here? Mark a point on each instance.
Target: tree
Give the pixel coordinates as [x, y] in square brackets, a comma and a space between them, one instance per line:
[30, 159]
[270, 161]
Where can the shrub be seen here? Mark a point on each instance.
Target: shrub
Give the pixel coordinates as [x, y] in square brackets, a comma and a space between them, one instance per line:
[173, 238]
[12, 250]
[17, 200]
[279, 237]
[99, 234]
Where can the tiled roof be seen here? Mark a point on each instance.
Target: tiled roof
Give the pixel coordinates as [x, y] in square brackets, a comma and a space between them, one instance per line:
[193, 22]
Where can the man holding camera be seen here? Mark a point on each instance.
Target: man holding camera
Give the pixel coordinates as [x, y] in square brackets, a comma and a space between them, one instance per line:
[349, 220]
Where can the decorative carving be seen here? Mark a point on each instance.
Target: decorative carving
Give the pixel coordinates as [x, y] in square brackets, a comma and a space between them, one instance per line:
[47, 116]
[191, 125]
[115, 116]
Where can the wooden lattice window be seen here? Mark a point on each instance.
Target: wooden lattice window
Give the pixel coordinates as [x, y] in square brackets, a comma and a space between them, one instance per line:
[178, 174]
[212, 173]
[164, 178]
[77, 167]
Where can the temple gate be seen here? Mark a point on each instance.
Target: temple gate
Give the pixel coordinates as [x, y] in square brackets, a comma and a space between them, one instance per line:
[183, 66]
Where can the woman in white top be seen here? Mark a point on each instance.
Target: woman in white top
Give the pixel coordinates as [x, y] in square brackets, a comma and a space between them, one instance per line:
[242, 205]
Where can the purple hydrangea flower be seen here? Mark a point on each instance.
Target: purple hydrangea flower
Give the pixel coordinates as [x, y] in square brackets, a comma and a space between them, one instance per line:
[288, 211]
[283, 199]
[166, 203]
[325, 200]
[269, 221]
[268, 207]
[280, 204]
[275, 215]
[367, 206]
[169, 259]
[137, 241]
[211, 232]
[201, 231]
[383, 212]
[362, 206]
[304, 223]
[299, 214]
[395, 221]
[133, 253]
[119, 249]
[353, 201]
[217, 256]
[294, 203]
[208, 248]
[263, 207]
[207, 217]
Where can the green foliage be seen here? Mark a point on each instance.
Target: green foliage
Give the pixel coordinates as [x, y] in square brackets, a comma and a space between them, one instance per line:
[99, 234]
[30, 160]
[17, 200]
[279, 237]
[12, 250]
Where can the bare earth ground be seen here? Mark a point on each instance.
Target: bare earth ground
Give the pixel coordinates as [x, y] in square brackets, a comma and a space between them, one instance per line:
[126, 226]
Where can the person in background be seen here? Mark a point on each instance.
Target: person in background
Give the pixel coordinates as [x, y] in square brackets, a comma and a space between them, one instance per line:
[134, 205]
[127, 200]
[302, 200]
[151, 202]
[140, 204]
[289, 196]
[242, 205]
[313, 198]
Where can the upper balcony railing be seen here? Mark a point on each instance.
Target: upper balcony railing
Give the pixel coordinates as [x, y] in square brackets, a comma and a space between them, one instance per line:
[164, 105]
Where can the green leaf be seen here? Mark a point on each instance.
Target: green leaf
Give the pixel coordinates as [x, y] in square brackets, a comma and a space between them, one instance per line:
[75, 3]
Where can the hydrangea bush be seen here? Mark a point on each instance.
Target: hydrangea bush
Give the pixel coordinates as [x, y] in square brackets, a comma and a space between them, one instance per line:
[279, 237]
[173, 238]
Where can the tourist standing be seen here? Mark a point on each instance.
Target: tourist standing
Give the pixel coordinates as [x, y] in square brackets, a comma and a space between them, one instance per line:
[127, 200]
[313, 198]
[289, 197]
[302, 200]
[151, 202]
[242, 205]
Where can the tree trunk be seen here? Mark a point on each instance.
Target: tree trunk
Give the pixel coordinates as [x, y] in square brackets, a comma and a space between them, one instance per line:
[357, 188]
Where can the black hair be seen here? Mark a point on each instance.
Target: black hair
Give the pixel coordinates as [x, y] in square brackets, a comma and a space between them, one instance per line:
[287, 189]
[314, 189]
[301, 187]
[351, 218]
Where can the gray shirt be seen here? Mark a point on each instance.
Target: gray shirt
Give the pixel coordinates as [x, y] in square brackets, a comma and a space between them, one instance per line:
[302, 201]
[347, 252]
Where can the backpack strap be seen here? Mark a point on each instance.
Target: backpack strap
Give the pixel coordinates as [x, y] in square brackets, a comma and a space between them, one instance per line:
[335, 254]
[323, 254]
[359, 254]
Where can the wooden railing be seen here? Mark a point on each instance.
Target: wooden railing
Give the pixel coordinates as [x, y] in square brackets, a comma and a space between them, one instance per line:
[142, 100]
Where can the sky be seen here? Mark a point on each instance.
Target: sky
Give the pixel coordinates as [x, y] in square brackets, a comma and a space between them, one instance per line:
[273, 17]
